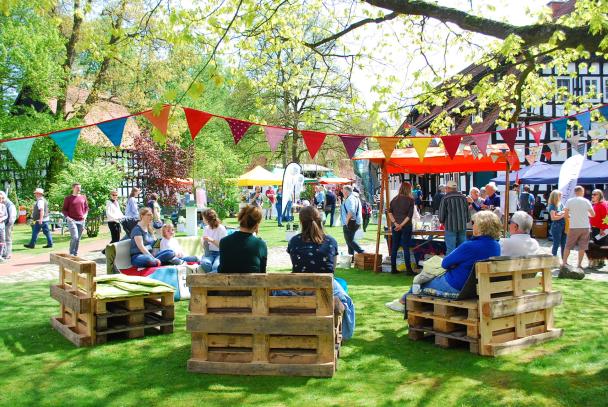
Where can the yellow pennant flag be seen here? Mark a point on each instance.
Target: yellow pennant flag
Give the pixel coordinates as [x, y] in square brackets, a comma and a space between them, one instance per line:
[387, 144]
[420, 145]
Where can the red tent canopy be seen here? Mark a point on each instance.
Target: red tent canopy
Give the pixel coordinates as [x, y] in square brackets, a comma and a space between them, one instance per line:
[436, 161]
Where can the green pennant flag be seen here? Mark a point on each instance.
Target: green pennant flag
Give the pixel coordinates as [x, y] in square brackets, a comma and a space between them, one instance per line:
[66, 140]
[20, 149]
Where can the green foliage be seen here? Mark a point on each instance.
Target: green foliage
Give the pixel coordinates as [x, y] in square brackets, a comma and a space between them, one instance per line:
[97, 179]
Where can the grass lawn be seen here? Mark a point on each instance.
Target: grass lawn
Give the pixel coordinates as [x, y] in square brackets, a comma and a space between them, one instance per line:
[23, 233]
[379, 366]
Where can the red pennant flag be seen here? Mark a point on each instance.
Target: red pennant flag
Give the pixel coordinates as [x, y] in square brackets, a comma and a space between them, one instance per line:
[160, 120]
[482, 141]
[196, 120]
[274, 136]
[547, 155]
[351, 143]
[509, 136]
[451, 144]
[537, 131]
[313, 141]
[238, 128]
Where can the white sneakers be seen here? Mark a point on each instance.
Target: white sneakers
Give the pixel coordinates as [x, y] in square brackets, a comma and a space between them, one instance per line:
[395, 305]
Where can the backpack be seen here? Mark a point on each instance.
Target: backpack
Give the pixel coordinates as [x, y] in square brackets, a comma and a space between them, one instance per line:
[366, 209]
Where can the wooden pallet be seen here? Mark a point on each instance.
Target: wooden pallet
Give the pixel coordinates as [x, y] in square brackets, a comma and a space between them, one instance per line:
[131, 317]
[240, 326]
[451, 323]
[365, 261]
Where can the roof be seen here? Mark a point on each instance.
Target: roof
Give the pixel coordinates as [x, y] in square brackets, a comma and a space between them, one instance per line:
[259, 176]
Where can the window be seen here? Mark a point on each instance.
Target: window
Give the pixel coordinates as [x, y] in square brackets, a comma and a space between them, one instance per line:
[564, 83]
[591, 87]
[605, 90]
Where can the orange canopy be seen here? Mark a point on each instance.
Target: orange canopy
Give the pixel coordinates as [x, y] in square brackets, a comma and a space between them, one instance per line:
[436, 161]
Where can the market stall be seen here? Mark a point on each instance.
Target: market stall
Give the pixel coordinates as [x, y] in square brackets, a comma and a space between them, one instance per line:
[259, 176]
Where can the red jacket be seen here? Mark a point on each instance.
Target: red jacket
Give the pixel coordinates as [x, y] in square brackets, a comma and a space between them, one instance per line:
[601, 211]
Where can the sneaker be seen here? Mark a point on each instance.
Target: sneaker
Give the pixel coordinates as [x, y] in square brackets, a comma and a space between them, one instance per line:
[395, 305]
[27, 246]
[48, 246]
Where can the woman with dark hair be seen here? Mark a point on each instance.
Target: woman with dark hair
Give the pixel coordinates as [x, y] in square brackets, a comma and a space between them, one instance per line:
[400, 213]
[157, 221]
[312, 251]
[242, 251]
[212, 234]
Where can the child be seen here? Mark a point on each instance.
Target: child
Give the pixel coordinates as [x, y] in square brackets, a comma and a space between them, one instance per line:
[169, 242]
[213, 233]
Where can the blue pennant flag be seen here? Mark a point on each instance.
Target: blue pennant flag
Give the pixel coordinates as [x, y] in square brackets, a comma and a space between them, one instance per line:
[560, 127]
[20, 149]
[113, 130]
[413, 131]
[585, 120]
[66, 140]
[604, 111]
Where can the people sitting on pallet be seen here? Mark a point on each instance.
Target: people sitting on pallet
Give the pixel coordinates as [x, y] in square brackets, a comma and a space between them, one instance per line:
[169, 242]
[142, 241]
[520, 243]
[312, 251]
[242, 251]
[459, 264]
[212, 234]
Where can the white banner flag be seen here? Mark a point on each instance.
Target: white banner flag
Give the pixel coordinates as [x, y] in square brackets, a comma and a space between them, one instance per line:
[568, 175]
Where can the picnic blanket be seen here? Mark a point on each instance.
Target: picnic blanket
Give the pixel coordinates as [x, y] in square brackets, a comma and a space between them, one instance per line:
[120, 285]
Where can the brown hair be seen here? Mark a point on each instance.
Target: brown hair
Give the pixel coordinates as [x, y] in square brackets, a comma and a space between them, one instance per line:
[211, 217]
[153, 196]
[599, 193]
[134, 192]
[249, 217]
[405, 189]
[312, 231]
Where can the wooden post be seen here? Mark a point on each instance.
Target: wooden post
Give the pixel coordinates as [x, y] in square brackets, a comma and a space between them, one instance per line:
[387, 200]
[507, 198]
[380, 212]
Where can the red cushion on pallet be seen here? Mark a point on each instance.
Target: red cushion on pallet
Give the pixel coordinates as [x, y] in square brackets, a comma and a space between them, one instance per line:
[141, 272]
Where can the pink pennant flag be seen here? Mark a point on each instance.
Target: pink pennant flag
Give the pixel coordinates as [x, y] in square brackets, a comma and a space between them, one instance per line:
[509, 136]
[451, 144]
[238, 128]
[274, 135]
[313, 141]
[537, 131]
[482, 141]
[351, 143]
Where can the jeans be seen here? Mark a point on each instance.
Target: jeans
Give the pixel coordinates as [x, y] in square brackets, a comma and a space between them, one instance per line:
[145, 260]
[8, 239]
[331, 210]
[401, 238]
[212, 262]
[75, 227]
[190, 259]
[286, 216]
[453, 239]
[350, 241]
[438, 283]
[558, 233]
[44, 226]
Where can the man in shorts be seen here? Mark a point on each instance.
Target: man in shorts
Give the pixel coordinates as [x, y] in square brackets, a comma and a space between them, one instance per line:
[578, 210]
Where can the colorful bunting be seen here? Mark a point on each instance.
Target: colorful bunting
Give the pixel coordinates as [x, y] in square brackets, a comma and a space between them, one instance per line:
[555, 146]
[451, 144]
[547, 155]
[531, 158]
[351, 143]
[574, 140]
[238, 128]
[560, 127]
[482, 141]
[196, 120]
[475, 151]
[66, 140]
[274, 136]
[387, 145]
[512, 158]
[413, 131]
[604, 111]
[585, 120]
[420, 144]
[313, 141]
[113, 130]
[20, 149]
[537, 131]
[494, 157]
[509, 136]
[159, 120]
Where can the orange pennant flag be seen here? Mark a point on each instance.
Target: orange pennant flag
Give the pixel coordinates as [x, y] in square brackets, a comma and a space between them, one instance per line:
[387, 144]
[421, 144]
[160, 120]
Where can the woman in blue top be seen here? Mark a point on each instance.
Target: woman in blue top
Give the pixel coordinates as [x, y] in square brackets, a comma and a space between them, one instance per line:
[558, 221]
[142, 240]
[312, 251]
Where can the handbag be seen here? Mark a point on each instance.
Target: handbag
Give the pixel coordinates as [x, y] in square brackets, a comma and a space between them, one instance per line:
[352, 225]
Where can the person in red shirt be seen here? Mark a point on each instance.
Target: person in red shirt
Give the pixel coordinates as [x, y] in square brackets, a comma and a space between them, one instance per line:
[271, 198]
[75, 209]
[599, 228]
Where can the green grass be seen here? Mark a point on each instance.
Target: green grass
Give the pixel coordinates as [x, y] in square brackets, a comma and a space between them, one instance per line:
[379, 366]
[23, 233]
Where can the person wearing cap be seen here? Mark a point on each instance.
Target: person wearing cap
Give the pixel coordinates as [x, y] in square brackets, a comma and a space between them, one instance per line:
[75, 209]
[11, 212]
[437, 198]
[454, 214]
[520, 243]
[40, 217]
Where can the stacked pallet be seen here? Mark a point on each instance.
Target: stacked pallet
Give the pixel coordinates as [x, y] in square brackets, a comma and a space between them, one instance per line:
[365, 261]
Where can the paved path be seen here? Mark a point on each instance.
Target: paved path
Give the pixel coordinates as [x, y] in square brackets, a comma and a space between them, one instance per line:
[25, 268]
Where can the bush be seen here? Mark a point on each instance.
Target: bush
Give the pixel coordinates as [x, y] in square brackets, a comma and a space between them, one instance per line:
[97, 179]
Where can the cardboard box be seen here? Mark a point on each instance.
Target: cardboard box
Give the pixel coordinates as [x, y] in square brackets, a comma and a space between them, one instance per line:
[539, 229]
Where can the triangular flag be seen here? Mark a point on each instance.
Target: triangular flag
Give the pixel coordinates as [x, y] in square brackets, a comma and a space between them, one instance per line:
[475, 151]
[509, 136]
[554, 146]
[160, 120]
[274, 136]
[420, 145]
[451, 143]
[313, 141]
[467, 140]
[387, 145]
[482, 141]
[20, 149]
[604, 111]
[574, 140]
[196, 120]
[413, 131]
[560, 127]
[238, 128]
[113, 130]
[537, 131]
[351, 143]
[580, 148]
[585, 120]
[512, 158]
[66, 140]
[520, 151]
[531, 159]
[547, 155]
[494, 157]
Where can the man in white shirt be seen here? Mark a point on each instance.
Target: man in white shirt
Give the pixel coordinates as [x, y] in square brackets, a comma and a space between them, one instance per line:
[520, 243]
[578, 210]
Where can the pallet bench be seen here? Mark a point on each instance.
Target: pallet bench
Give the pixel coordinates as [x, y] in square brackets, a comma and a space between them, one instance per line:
[514, 308]
[241, 324]
[86, 321]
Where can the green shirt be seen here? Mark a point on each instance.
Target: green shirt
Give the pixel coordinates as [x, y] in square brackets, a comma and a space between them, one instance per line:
[242, 252]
